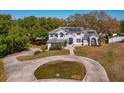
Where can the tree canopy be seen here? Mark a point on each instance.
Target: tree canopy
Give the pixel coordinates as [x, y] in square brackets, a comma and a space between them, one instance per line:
[16, 34]
[100, 21]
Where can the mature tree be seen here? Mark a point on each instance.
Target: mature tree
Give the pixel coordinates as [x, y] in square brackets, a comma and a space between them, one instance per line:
[39, 27]
[38, 32]
[75, 20]
[21, 43]
[15, 35]
[18, 30]
[122, 26]
[30, 22]
[5, 24]
[99, 21]
[51, 23]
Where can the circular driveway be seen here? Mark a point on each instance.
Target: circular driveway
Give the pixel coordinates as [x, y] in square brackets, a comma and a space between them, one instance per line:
[24, 71]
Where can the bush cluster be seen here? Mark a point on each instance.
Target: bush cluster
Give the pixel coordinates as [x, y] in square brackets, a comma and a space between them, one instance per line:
[43, 48]
[37, 52]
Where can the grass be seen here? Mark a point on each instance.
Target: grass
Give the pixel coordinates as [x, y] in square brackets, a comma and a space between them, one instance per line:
[111, 56]
[44, 54]
[65, 70]
[2, 74]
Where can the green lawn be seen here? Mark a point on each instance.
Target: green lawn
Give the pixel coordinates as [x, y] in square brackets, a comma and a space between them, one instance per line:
[65, 70]
[44, 54]
[2, 74]
[111, 56]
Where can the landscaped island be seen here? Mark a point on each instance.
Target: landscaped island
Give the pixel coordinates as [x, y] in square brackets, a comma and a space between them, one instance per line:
[61, 70]
[49, 36]
[110, 56]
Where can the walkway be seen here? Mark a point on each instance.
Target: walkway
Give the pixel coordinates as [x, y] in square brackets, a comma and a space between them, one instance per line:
[71, 49]
[24, 71]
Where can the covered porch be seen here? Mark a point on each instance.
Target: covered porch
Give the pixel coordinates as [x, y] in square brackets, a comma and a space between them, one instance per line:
[56, 42]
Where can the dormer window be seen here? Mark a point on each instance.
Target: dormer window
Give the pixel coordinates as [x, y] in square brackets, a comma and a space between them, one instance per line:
[61, 34]
[78, 33]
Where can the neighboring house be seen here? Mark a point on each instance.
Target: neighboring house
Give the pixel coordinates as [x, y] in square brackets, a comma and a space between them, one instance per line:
[75, 36]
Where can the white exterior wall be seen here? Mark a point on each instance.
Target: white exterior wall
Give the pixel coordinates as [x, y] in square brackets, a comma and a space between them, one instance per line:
[69, 35]
[92, 38]
[116, 39]
[75, 36]
[61, 31]
[85, 42]
[79, 37]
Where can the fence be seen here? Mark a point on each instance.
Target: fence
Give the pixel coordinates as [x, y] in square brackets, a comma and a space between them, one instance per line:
[116, 39]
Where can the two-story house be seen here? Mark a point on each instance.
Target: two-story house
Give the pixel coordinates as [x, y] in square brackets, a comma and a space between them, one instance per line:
[75, 36]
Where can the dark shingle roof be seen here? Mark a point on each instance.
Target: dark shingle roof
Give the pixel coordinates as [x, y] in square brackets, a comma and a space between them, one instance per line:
[69, 30]
[87, 33]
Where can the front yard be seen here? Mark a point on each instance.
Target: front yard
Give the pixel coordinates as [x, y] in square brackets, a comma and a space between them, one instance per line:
[44, 54]
[61, 70]
[2, 73]
[111, 56]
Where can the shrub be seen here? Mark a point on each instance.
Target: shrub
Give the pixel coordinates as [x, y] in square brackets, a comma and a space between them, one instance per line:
[65, 43]
[37, 52]
[102, 40]
[2, 50]
[43, 48]
[59, 45]
[55, 48]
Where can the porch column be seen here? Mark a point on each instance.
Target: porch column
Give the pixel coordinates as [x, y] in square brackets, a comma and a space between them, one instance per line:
[97, 41]
[90, 41]
[48, 46]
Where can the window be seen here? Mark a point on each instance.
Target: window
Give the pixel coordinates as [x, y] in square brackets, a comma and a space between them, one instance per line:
[90, 32]
[78, 33]
[56, 35]
[78, 40]
[53, 44]
[51, 35]
[61, 34]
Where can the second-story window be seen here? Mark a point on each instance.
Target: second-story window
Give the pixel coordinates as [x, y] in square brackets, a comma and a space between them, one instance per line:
[51, 35]
[61, 35]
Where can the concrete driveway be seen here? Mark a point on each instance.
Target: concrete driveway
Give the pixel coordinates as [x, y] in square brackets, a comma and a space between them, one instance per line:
[24, 71]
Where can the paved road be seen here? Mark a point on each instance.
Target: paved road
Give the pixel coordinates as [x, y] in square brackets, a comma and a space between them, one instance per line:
[24, 71]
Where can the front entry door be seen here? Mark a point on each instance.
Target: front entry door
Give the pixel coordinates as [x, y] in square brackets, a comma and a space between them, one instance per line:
[70, 41]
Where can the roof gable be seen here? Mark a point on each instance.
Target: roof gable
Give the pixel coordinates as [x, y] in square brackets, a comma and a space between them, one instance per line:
[68, 29]
[75, 30]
